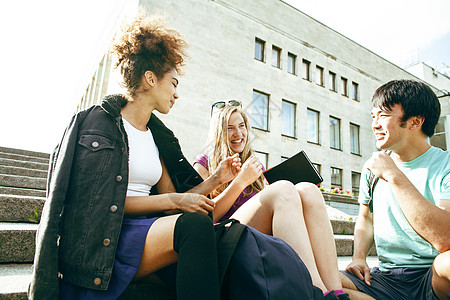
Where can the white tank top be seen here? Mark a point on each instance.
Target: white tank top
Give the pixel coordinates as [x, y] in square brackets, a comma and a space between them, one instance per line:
[144, 165]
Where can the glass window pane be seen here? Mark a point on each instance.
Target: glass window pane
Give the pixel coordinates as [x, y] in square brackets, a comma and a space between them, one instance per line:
[260, 107]
[312, 134]
[319, 75]
[354, 139]
[344, 86]
[276, 53]
[259, 50]
[332, 79]
[354, 91]
[263, 157]
[305, 69]
[336, 178]
[356, 178]
[335, 134]
[288, 118]
[291, 63]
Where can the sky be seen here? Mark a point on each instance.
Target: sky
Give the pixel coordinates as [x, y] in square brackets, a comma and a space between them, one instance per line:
[50, 48]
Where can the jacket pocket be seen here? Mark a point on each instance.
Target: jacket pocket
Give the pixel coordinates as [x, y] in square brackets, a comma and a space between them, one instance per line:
[96, 142]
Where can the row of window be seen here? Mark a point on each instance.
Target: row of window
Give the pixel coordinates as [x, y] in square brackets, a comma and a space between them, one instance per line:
[335, 174]
[260, 46]
[260, 120]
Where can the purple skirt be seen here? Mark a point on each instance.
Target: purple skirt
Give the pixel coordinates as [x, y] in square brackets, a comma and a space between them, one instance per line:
[126, 263]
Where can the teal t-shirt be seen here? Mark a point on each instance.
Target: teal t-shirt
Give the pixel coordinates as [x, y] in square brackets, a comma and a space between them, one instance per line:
[398, 245]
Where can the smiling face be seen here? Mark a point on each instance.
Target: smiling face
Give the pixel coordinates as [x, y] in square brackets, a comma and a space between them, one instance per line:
[237, 133]
[165, 91]
[390, 132]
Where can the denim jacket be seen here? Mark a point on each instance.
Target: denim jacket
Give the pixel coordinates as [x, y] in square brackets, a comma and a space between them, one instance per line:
[86, 190]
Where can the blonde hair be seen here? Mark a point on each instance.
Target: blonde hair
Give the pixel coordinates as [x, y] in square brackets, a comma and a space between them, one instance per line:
[220, 148]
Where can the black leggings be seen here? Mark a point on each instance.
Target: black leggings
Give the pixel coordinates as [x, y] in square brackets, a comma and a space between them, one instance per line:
[197, 271]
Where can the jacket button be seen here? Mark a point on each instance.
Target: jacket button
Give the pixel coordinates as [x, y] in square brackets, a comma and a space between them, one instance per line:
[95, 144]
[106, 242]
[97, 281]
[118, 178]
[113, 208]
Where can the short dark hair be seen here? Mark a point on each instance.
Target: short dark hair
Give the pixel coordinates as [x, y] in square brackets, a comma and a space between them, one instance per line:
[416, 98]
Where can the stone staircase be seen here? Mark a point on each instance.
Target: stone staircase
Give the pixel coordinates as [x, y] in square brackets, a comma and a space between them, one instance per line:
[22, 195]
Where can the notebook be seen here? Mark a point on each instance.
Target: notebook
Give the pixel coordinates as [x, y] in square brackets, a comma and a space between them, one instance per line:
[296, 169]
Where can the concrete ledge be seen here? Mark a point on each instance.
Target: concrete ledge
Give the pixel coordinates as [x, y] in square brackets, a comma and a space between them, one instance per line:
[20, 157]
[19, 208]
[17, 242]
[8, 190]
[343, 227]
[23, 182]
[9, 170]
[24, 152]
[23, 164]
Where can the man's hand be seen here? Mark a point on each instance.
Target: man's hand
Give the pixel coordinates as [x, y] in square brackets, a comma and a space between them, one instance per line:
[360, 269]
[382, 166]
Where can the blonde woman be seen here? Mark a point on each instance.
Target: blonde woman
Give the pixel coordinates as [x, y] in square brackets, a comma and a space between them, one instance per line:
[294, 213]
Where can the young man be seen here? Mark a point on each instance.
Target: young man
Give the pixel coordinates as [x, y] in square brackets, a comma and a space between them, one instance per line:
[410, 222]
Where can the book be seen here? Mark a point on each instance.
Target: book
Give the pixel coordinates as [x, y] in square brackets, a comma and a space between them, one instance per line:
[296, 169]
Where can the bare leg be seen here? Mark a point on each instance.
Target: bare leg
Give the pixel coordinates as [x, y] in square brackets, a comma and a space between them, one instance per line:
[441, 275]
[320, 234]
[277, 210]
[158, 250]
[351, 289]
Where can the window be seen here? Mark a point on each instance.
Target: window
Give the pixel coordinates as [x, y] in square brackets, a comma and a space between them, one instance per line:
[263, 157]
[354, 139]
[288, 118]
[356, 177]
[439, 137]
[335, 133]
[336, 178]
[317, 166]
[276, 57]
[306, 69]
[259, 49]
[355, 91]
[292, 60]
[344, 87]
[319, 75]
[332, 79]
[312, 125]
[260, 110]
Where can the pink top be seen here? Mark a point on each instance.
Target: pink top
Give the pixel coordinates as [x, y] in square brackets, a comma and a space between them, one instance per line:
[203, 160]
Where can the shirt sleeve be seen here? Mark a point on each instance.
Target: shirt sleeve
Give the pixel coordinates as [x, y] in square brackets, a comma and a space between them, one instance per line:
[364, 197]
[202, 160]
[445, 187]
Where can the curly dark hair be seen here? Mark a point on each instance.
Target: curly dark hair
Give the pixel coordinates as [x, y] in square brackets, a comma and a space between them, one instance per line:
[146, 44]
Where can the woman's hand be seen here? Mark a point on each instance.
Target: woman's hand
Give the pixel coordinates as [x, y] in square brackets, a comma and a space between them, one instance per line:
[191, 202]
[250, 171]
[228, 168]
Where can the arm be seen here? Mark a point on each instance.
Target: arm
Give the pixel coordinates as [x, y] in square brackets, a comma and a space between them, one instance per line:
[249, 172]
[167, 200]
[363, 241]
[430, 221]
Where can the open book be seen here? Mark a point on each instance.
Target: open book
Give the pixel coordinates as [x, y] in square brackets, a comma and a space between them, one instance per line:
[296, 169]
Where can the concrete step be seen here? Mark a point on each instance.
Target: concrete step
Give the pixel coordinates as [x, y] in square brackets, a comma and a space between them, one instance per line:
[17, 242]
[20, 157]
[9, 170]
[24, 152]
[23, 164]
[343, 227]
[7, 190]
[20, 208]
[23, 182]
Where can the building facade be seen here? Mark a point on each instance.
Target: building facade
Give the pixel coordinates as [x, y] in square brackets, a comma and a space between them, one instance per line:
[303, 85]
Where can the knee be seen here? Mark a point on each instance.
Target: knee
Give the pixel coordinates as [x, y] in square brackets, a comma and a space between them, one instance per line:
[193, 226]
[441, 265]
[310, 194]
[280, 192]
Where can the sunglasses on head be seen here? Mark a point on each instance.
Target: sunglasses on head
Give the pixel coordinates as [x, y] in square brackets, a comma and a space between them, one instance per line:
[222, 104]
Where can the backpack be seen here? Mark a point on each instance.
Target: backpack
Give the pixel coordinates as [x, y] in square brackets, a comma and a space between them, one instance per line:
[253, 265]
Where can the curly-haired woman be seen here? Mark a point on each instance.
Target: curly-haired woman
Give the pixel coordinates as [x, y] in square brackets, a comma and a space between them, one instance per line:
[114, 178]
